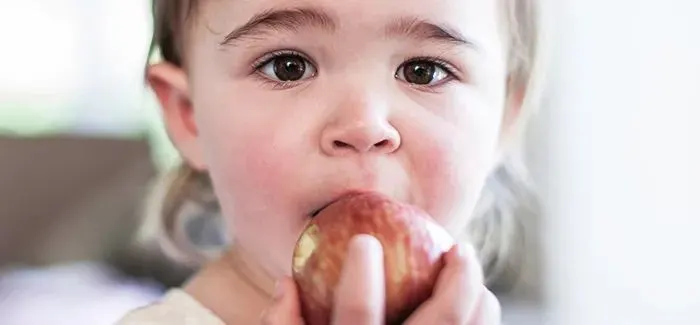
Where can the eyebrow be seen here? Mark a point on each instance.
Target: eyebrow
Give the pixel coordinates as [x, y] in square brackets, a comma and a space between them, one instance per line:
[281, 20]
[421, 29]
[297, 18]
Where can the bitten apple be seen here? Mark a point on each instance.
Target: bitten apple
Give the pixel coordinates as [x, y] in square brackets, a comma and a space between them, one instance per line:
[413, 248]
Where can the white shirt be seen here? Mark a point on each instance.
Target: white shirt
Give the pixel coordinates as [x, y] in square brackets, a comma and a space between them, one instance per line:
[176, 308]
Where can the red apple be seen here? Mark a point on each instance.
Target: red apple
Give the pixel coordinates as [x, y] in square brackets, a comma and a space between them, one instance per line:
[413, 248]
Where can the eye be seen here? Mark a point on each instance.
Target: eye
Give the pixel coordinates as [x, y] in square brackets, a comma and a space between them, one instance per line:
[287, 68]
[422, 72]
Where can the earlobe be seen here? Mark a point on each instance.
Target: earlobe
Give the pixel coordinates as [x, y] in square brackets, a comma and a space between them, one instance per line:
[171, 88]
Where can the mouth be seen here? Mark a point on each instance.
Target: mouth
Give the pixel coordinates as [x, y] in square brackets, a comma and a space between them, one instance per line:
[314, 213]
[337, 198]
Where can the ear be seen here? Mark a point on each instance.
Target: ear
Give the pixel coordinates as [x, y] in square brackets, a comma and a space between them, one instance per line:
[171, 87]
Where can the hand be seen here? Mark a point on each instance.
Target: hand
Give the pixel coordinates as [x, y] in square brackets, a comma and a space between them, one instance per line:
[460, 297]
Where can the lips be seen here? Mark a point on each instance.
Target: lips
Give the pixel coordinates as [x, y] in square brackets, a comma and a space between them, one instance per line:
[343, 195]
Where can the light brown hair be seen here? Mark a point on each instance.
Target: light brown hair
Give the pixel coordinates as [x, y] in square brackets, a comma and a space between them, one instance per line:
[507, 199]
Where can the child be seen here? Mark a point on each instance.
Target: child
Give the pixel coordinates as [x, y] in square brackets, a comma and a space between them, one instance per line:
[285, 105]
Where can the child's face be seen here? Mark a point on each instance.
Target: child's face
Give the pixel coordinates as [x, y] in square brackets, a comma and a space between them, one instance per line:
[406, 97]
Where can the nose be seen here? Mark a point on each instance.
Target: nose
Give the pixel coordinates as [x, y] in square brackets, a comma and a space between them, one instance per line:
[359, 127]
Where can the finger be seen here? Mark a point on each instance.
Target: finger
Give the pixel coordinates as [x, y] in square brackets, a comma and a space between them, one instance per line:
[458, 291]
[285, 308]
[489, 313]
[359, 299]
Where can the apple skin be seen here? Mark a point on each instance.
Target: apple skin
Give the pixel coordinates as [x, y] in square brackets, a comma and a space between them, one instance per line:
[413, 246]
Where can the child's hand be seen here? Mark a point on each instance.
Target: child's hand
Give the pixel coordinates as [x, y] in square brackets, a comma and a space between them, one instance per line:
[460, 297]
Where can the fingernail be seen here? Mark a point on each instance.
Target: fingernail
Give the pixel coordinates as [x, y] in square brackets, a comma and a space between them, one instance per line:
[280, 290]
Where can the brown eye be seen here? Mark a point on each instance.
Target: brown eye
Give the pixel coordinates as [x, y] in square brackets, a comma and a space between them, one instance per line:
[422, 73]
[288, 68]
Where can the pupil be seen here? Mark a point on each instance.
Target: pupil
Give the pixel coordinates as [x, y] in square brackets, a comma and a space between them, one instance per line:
[420, 73]
[289, 68]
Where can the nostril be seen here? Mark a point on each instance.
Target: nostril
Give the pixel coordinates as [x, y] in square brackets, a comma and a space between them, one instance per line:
[340, 144]
[382, 143]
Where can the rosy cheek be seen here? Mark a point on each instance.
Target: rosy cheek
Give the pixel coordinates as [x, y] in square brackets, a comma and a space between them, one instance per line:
[449, 165]
[451, 188]
[259, 162]
[435, 176]
[252, 171]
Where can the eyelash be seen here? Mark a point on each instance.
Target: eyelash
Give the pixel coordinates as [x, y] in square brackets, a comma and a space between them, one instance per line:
[452, 72]
[440, 62]
[268, 58]
[258, 64]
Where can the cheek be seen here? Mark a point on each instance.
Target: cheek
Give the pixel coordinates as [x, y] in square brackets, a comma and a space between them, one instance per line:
[256, 166]
[248, 143]
[250, 161]
[451, 180]
[453, 157]
[252, 164]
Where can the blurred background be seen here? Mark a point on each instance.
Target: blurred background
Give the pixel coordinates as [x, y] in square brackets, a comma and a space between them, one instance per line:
[615, 153]
[80, 142]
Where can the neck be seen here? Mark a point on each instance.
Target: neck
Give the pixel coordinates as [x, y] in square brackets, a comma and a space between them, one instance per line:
[233, 287]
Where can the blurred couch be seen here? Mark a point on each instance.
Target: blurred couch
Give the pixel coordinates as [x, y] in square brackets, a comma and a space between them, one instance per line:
[69, 198]
[69, 206]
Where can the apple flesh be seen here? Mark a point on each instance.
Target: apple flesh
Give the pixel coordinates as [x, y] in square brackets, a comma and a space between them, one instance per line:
[413, 247]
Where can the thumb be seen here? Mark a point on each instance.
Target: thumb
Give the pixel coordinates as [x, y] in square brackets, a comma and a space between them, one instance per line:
[360, 295]
[285, 308]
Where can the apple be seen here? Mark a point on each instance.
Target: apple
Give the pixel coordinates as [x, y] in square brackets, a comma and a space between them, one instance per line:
[413, 247]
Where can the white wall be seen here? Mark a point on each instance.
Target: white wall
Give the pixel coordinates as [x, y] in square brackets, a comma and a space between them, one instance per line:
[73, 65]
[617, 152]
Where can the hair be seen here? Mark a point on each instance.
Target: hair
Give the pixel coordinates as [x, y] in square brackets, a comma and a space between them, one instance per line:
[508, 199]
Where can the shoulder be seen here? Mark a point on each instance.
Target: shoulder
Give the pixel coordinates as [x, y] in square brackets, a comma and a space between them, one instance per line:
[176, 308]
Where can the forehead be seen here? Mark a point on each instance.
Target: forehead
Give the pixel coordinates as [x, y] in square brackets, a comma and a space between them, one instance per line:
[477, 19]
